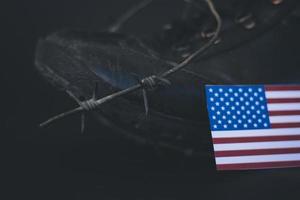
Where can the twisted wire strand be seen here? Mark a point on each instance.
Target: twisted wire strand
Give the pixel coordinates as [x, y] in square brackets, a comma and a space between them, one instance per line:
[148, 82]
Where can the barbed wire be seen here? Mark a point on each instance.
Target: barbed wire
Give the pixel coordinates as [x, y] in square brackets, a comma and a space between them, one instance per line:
[145, 84]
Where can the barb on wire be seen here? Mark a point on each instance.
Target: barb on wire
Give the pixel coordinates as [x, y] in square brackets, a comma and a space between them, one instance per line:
[145, 84]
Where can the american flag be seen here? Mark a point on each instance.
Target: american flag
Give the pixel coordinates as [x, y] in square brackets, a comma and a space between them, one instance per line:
[254, 126]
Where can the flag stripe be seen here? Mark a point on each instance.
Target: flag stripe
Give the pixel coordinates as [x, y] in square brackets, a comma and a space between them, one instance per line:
[256, 152]
[285, 125]
[257, 145]
[289, 112]
[291, 100]
[256, 133]
[282, 94]
[255, 126]
[283, 106]
[258, 165]
[282, 87]
[285, 119]
[258, 158]
[255, 139]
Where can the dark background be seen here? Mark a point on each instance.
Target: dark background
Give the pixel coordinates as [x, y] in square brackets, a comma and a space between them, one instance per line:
[59, 163]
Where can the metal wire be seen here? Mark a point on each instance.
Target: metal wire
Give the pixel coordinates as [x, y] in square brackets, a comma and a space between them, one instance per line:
[145, 84]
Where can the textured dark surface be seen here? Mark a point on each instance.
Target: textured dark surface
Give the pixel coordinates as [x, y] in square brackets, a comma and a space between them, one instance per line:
[75, 60]
[59, 163]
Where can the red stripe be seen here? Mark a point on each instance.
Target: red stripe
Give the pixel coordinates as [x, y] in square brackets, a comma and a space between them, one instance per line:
[256, 152]
[287, 112]
[255, 139]
[285, 125]
[282, 87]
[258, 165]
[291, 100]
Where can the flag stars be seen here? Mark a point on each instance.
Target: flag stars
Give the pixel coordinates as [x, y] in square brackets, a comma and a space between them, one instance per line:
[234, 108]
[261, 98]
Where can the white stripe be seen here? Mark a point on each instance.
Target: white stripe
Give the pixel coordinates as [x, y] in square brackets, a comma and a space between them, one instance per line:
[284, 119]
[283, 106]
[256, 132]
[283, 94]
[256, 145]
[258, 158]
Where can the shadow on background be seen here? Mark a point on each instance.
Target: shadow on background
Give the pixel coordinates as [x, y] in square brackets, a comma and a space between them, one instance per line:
[59, 163]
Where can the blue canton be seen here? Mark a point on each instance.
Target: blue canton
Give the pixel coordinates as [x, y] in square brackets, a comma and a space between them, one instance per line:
[237, 107]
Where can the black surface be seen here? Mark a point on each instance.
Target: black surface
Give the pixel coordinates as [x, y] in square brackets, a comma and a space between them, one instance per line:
[59, 163]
